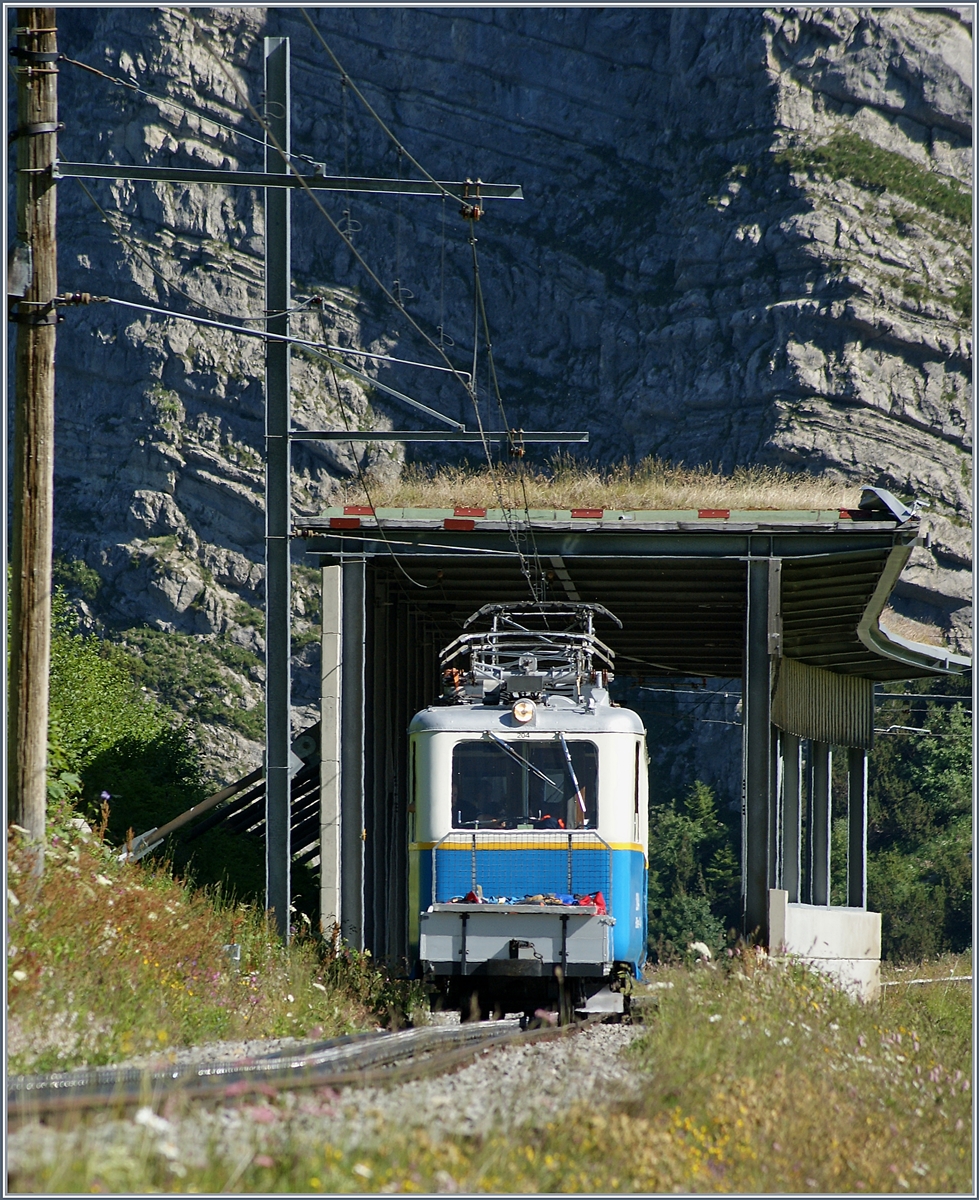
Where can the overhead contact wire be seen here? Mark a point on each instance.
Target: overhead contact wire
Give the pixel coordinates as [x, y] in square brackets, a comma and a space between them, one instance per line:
[377, 117]
[286, 158]
[363, 484]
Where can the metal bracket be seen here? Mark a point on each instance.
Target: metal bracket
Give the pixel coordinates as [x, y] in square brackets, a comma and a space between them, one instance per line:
[46, 318]
[775, 606]
[35, 130]
[35, 56]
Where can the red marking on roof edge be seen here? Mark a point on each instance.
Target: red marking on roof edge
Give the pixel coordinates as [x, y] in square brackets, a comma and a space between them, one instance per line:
[470, 512]
[358, 510]
[588, 512]
[714, 512]
[457, 525]
[344, 522]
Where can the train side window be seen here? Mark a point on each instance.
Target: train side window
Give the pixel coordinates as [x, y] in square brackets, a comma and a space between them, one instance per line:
[493, 789]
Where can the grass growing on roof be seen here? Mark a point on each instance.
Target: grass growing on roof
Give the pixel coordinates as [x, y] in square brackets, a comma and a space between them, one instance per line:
[566, 483]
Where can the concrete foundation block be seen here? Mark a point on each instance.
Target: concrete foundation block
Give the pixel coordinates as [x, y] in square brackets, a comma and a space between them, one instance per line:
[843, 943]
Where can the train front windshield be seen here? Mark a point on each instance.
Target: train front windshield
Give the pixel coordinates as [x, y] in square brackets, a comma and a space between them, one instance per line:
[524, 785]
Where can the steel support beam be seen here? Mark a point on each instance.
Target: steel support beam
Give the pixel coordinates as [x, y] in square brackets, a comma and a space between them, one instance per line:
[774, 810]
[589, 538]
[352, 828]
[791, 772]
[492, 436]
[756, 759]
[822, 810]
[271, 178]
[330, 734]
[856, 854]
[277, 516]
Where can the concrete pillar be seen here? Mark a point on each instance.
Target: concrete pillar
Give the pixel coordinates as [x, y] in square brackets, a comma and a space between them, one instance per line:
[756, 758]
[791, 779]
[330, 751]
[856, 854]
[352, 829]
[822, 762]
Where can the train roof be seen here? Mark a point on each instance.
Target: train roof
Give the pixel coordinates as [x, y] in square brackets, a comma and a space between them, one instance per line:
[572, 719]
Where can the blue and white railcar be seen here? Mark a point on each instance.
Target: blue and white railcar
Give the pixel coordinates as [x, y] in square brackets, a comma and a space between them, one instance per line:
[528, 867]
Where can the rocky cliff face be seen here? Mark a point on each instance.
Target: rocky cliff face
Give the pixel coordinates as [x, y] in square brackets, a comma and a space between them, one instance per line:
[746, 238]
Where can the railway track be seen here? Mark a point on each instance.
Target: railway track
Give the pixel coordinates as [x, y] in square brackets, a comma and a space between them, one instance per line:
[355, 1060]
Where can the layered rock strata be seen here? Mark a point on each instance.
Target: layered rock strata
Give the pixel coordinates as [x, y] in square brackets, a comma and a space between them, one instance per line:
[746, 238]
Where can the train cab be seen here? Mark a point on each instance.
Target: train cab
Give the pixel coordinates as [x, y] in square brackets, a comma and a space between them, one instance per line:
[529, 806]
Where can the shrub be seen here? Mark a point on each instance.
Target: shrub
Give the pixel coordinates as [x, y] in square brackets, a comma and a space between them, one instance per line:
[920, 832]
[694, 875]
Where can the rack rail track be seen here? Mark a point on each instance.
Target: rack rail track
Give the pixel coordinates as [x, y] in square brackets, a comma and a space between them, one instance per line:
[354, 1060]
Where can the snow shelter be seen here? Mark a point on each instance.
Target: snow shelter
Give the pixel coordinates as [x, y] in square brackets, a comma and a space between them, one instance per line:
[789, 601]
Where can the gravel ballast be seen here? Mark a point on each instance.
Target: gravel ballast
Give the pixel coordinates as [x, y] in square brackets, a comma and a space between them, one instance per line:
[524, 1085]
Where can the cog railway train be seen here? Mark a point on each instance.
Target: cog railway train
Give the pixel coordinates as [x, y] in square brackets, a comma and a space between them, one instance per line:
[528, 868]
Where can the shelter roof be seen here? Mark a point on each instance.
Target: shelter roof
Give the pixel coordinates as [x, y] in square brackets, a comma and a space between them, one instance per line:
[676, 580]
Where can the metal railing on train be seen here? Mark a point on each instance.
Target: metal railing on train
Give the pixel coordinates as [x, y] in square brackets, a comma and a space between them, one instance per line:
[519, 865]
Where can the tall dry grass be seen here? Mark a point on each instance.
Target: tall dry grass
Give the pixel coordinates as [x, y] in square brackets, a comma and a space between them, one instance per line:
[651, 484]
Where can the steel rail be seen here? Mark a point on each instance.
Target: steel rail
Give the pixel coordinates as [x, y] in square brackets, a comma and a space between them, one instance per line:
[354, 1060]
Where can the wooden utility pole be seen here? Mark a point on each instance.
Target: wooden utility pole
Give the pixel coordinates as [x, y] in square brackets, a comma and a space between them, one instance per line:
[33, 280]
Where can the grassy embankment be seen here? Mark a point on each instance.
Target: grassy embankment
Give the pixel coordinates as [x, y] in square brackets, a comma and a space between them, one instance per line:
[754, 1078]
[107, 960]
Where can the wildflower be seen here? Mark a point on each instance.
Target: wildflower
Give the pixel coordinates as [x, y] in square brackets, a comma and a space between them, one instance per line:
[12, 899]
[151, 916]
[148, 1118]
[103, 881]
[363, 1170]
[291, 998]
[319, 986]
[714, 1018]
[263, 1160]
[20, 976]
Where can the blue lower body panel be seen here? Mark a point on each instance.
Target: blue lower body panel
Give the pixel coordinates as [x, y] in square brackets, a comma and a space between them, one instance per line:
[620, 875]
[628, 906]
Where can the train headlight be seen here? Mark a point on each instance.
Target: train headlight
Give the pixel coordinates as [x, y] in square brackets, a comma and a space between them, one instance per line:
[523, 711]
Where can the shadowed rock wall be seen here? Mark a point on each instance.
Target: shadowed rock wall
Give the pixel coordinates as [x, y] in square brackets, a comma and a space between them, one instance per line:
[743, 241]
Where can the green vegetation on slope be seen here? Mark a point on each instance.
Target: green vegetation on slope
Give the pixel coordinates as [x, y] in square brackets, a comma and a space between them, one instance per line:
[849, 156]
[107, 960]
[694, 874]
[109, 739]
[194, 677]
